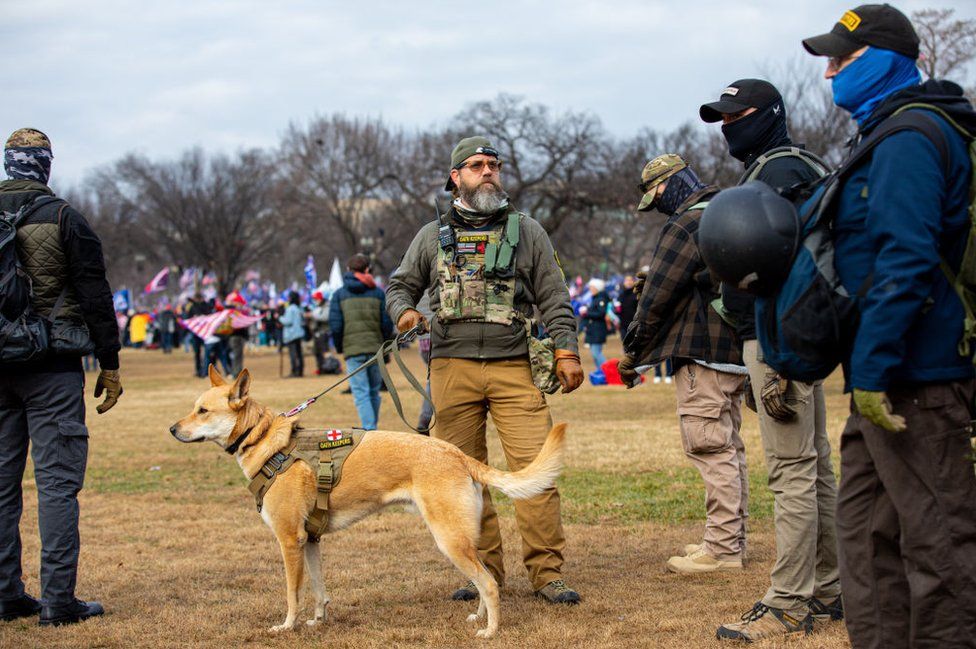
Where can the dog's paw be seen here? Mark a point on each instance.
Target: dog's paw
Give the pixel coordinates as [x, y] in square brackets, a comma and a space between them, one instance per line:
[282, 627]
[473, 617]
[313, 622]
[485, 633]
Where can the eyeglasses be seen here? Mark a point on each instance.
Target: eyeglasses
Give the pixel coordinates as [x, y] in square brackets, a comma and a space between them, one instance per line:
[478, 165]
[838, 63]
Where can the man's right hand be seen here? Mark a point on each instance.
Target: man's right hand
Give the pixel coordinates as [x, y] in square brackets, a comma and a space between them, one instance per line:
[108, 382]
[410, 319]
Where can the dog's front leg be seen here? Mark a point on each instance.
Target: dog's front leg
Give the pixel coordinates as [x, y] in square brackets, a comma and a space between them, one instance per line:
[291, 552]
[313, 564]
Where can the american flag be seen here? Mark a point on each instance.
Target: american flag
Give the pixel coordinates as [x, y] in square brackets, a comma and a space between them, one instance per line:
[311, 277]
[204, 326]
[159, 282]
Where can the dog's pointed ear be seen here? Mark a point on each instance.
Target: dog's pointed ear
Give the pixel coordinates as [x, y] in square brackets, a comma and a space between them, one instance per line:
[240, 389]
[215, 378]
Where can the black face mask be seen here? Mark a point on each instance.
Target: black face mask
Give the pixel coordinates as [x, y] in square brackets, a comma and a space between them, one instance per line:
[757, 133]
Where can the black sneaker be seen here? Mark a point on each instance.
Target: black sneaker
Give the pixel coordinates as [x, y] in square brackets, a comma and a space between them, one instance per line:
[23, 606]
[557, 592]
[763, 622]
[69, 614]
[822, 612]
[466, 593]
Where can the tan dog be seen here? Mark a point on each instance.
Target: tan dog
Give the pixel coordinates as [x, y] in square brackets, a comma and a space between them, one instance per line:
[385, 468]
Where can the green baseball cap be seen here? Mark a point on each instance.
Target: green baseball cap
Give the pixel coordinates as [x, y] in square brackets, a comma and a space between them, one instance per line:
[466, 148]
[656, 172]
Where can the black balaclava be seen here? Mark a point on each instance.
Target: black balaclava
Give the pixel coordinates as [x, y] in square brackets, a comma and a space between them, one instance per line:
[680, 186]
[753, 135]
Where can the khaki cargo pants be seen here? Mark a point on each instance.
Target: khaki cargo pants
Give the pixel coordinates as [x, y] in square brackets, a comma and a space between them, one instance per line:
[801, 477]
[710, 417]
[464, 392]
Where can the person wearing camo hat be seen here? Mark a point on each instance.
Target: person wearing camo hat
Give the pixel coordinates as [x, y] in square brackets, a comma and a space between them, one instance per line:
[675, 322]
[488, 268]
[42, 400]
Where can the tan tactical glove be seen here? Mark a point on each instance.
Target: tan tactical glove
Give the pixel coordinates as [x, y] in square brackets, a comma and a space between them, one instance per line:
[109, 382]
[568, 370]
[773, 397]
[639, 284]
[876, 408]
[410, 319]
[625, 367]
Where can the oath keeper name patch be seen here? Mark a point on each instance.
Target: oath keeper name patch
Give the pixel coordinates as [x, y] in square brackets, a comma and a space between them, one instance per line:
[335, 439]
[470, 244]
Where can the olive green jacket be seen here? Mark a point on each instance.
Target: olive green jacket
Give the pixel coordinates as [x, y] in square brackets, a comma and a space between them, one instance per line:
[539, 283]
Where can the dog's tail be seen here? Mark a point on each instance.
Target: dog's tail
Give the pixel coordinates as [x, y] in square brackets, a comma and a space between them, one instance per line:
[531, 480]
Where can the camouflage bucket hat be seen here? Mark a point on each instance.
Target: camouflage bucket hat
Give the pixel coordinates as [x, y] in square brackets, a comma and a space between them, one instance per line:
[27, 137]
[466, 148]
[656, 172]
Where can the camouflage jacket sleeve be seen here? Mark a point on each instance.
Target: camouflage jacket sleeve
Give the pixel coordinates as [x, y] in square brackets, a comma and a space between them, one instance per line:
[412, 277]
[549, 287]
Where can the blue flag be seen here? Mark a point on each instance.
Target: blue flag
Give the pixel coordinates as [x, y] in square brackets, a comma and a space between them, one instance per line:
[311, 278]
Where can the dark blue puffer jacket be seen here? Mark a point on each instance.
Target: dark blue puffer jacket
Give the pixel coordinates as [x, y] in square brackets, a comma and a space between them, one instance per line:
[898, 210]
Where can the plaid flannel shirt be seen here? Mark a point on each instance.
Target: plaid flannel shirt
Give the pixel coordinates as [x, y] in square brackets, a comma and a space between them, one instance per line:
[674, 318]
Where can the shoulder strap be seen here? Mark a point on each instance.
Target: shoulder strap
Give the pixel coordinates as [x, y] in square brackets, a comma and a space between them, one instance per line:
[698, 206]
[900, 121]
[812, 160]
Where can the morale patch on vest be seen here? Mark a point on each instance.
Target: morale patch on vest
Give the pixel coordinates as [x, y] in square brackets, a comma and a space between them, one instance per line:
[473, 238]
[335, 439]
[850, 20]
[467, 248]
[328, 445]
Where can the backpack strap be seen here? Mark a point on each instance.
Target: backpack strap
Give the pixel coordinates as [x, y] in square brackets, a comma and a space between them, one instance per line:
[903, 120]
[812, 160]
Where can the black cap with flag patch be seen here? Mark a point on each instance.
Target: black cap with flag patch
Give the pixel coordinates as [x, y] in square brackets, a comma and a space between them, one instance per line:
[880, 26]
[740, 95]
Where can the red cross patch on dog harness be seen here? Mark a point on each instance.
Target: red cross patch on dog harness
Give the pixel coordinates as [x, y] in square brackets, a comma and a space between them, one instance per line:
[335, 439]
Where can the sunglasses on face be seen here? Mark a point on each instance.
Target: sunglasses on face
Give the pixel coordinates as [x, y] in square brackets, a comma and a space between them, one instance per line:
[478, 165]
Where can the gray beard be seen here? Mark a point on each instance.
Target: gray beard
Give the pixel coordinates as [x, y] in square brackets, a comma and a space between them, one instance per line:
[485, 199]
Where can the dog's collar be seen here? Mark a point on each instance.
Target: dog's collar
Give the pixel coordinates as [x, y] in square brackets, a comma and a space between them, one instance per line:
[232, 449]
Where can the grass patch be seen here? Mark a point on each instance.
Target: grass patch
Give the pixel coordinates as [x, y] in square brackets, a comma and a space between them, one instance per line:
[667, 496]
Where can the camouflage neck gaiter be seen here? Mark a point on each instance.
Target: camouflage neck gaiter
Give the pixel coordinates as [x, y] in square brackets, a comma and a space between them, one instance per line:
[476, 219]
[28, 163]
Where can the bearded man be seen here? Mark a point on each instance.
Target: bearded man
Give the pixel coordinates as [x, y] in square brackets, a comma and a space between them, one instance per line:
[488, 267]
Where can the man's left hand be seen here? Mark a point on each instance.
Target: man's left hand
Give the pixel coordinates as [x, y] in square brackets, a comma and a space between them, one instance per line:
[625, 367]
[569, 372]
[109, 382]
[876, 408]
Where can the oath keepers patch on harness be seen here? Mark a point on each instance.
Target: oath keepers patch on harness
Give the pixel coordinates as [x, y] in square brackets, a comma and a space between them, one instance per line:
[335, 439]
[472, 244]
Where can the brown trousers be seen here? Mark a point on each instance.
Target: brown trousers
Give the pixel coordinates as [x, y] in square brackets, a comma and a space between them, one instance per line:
[464, 392]
[906, 523]
[801, 477]
[710, 416]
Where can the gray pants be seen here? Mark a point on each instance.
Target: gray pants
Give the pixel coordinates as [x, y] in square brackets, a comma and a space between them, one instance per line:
[801, 478]
[46, 410]
[236, 344]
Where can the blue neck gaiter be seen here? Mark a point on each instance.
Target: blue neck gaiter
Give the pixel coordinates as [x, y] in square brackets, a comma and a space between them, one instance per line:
[875, 75]
[680, 186]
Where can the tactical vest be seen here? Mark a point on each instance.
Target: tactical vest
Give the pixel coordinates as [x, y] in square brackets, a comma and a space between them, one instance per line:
[324, 451]
[476, 275]
[42, 256]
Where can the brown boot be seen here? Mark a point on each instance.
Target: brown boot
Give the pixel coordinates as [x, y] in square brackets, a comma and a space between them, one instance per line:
[765, 622]
[557, 592]
[700, 562]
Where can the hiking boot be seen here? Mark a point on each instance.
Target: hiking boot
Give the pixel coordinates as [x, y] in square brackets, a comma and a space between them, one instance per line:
[557, 592]
[700, 562]
[69, 614]
[23, 606]
[466, 593]
[823, 612]
[764, 622]
[693, 548]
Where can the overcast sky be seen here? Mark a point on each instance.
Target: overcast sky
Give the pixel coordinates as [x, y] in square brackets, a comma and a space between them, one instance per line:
[104, 77]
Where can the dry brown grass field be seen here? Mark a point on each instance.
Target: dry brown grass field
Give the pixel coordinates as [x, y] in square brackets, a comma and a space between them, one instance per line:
[172, 546]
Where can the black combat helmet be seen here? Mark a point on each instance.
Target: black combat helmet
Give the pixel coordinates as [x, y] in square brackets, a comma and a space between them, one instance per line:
[749, 236]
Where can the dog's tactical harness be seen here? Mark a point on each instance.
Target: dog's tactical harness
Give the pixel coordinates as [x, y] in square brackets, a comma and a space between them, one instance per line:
[324, 451]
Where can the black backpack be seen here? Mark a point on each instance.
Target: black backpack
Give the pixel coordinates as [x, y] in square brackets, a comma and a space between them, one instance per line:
[23, 333]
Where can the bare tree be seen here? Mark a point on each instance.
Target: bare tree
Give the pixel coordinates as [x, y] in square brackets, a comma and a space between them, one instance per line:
[947, 46]
[213, 212]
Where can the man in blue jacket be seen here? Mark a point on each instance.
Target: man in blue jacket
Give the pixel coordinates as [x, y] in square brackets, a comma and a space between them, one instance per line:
[359, 323]
[906, 515]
